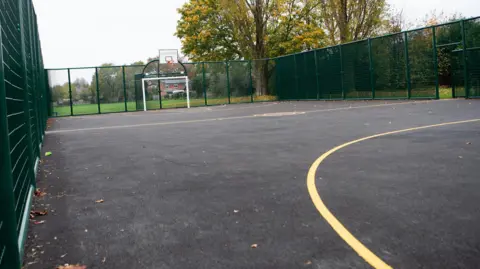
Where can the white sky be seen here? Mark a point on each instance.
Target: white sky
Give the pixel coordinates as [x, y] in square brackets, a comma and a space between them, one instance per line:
[78, 33]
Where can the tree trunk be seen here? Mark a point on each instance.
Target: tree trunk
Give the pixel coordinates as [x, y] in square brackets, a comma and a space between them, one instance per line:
[261, 77]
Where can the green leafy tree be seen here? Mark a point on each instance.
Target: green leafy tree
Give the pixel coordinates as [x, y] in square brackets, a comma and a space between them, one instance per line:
[347, 20]
[59, 93]
[245, 29]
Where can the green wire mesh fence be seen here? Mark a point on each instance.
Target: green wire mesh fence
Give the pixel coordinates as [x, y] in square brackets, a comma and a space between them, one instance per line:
[23, 115]
[428, 63]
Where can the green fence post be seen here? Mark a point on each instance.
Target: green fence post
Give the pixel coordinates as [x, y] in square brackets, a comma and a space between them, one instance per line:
[48, 95]
[124, 88]
[159, 93]
[453, 87]
[228, 81]
[295, 73]
[251, 80]
[370, 58]
[407, 67]
[204, 85]
[465, 67]
[158, 84]
[98, 91]
[8, 233]
[305, 71]
[435, 62]
[317, 74]
[70, 92]
[341, 72]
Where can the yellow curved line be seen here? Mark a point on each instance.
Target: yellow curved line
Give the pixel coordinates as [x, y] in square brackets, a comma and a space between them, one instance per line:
[353, 242]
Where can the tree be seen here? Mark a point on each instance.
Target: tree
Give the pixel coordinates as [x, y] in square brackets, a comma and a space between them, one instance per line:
[60, 92]
[348, 20]
[205, 31]
[245, 29]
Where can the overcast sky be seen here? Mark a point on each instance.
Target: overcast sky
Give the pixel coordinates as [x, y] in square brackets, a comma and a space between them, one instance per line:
[77, 33]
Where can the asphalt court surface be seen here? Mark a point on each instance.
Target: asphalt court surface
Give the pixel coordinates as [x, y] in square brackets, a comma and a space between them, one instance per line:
[197, 188]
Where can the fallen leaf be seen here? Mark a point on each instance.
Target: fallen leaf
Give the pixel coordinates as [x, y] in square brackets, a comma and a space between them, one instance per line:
[104, 259]
[63, 256]
[468, 143]
[99, 201]
[39, 193]
[460, 157]
[38, 213]
[39, 222]
[254, 246]
[235, 211]
[48, 153]
[308, 262]
[74, 266]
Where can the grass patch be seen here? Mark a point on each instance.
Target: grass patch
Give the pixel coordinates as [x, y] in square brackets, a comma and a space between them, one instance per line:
[87, 109]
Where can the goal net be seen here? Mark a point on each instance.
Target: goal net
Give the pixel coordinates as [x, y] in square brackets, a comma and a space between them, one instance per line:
[164, 92]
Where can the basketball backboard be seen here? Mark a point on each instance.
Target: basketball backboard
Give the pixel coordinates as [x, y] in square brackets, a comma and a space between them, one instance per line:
[168, 56]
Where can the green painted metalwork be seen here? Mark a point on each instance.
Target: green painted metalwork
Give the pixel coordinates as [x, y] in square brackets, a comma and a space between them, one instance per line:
[23, 112]
[97, 89]
[394, 66]
[435, 63]
[465, 66]
[228, 81]
[250, 84]
[203, 83]
[124, 89]
[372, 83]
[341, 71]
[317, 75]
[407, 67]
[70, 92]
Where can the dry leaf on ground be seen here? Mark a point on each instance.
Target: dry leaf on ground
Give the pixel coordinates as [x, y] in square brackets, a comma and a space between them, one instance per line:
[99, 201]
[254, 246]
[39, 222]
[73, 266]
[38, 213]
[39, 193]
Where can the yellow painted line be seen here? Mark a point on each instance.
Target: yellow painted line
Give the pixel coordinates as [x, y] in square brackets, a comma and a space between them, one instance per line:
[353, 242]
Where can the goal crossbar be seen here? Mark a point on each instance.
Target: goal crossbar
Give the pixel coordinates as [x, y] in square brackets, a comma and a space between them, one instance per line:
[160, 91]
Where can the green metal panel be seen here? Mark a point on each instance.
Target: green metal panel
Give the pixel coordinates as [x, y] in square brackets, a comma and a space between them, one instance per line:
[435, 63]
[239, 82]
[464, 54]
[124, 89]
[23, 112]
[70, 92]
[328, 64]
[372, 67]
[216, 82]
[356, 70]
[317, 75]
[250, 84]
[407, 67]
[204, 83]
[472, 57]
[98, 90]
[388, 57]
[9, 254]
[228, 80]
[341, 71]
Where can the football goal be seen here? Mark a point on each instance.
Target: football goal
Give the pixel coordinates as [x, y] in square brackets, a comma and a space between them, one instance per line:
[162, 88]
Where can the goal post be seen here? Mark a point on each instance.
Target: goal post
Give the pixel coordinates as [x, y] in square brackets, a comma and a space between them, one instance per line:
[144, 90]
